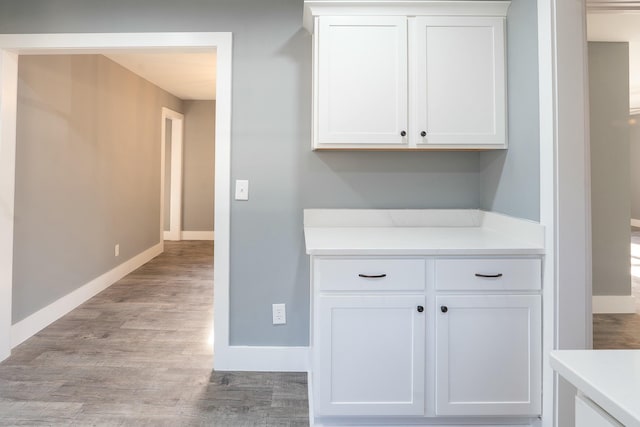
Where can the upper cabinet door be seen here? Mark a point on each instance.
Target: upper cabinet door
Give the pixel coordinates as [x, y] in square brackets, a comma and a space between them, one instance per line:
[458, 81]
[361, 81]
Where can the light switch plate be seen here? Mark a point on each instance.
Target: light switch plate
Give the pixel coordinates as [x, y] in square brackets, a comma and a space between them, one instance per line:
[242, 189]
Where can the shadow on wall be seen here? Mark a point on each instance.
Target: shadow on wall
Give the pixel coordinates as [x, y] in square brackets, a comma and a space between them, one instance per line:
[365, 179]
[492, 168]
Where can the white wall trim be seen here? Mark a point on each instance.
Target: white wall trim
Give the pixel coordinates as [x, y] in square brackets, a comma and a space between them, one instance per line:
[635, 222]
[198, 235]
[8, 107]
[175, 183]
[564, 192]
[618, 304]
[30, 326]
[19, 44]
[267, 358]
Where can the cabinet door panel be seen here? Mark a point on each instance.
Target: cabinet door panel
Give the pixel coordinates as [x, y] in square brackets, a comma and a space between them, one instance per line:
[459, 80]
[369, 354]
[588, 414]
[362, 80]
[488, 355]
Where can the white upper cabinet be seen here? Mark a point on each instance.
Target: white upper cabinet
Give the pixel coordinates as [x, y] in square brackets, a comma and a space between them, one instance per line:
[362, 80]
[458, 90]
[419, 75]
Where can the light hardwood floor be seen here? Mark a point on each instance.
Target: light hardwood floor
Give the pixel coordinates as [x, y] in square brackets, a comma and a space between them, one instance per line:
[622, 330]
[138, 354]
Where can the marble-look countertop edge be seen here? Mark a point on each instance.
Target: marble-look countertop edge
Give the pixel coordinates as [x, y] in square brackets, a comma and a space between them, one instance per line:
[426, 252]
[564, 363]
[416, 241]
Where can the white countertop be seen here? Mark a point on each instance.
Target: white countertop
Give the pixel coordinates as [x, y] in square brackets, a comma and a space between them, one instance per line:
[419, 232]
[611, 378]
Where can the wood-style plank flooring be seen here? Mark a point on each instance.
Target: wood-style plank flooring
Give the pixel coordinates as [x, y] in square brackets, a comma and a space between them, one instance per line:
[138, 354]
[612, 331]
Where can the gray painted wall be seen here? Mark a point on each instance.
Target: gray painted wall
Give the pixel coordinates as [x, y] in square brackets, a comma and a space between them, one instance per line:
[199, 168]
[635, 167]
[610, 167]
[87, 173]
[510, 180]
[271, 133]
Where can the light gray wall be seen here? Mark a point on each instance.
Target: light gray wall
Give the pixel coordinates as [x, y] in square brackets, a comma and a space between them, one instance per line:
[635, 167]
[610, 167]
[271, 134]
[87, 173]
[199, 170]
[510, 179]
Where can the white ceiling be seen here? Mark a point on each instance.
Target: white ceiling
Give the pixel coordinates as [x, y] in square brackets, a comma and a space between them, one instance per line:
[620, 27]
[189, 76]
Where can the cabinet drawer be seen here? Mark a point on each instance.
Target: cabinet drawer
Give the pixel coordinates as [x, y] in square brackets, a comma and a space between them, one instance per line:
[488, 274]
[369, 274]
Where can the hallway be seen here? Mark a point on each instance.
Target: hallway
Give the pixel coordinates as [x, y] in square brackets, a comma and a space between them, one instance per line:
[611, 331]
[139, 354]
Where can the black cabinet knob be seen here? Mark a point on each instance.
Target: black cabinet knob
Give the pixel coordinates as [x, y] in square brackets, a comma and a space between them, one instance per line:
[444, 308]
[403, 133]
[423, 133]
[420, 309]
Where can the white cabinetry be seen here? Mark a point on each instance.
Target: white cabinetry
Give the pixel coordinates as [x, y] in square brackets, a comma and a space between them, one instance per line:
[362, 80]
[458, 86]
[372, 349]
[426, 76]
[368, 336]
[488, 355]
[370, 355]
[588, 414]
[488, 336]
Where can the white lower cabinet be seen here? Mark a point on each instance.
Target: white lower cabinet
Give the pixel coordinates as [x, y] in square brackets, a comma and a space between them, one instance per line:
[588, 414]
[420, 337]
[488, 350]
[369, 355]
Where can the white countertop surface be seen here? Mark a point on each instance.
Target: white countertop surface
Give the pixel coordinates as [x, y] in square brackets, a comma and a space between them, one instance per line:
[611, 378]
[414, 241]
[419, 232]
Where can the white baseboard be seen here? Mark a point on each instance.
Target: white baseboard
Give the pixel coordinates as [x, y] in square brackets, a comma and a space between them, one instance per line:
[635, 222]
[198, 235]
[620, 304]
[259, 358]
[190, 235]
[33, 324]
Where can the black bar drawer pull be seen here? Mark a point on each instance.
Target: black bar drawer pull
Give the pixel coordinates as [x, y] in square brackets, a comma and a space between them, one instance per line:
[372, 276]
[489, 276]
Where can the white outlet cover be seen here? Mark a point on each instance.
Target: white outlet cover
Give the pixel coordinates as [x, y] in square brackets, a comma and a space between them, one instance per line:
[279, 314]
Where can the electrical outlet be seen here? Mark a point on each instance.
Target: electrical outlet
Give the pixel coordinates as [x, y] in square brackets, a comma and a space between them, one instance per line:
[279, 314]
[117, 250]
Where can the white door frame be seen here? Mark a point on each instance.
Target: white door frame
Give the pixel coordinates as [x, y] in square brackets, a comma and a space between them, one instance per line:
[13, 45]
[175, 184]
[564, 193]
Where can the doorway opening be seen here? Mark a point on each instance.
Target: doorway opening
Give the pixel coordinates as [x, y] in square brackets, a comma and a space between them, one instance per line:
[11, 47]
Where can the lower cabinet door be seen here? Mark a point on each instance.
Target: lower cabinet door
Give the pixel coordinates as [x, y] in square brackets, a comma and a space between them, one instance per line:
[588, 414]
[488, 355]
[369, 355]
